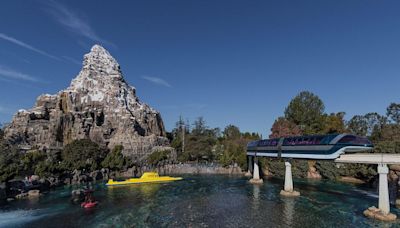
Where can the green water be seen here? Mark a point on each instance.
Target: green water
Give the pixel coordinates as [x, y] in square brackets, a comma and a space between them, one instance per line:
[202, 201]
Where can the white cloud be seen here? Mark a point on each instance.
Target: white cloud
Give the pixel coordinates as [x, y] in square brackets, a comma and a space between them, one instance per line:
[12, 74]
[25, 45]
[158, 81]
[73, 22]
[72, 60]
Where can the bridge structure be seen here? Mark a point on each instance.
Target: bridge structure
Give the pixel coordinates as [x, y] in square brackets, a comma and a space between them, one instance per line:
[340, 148]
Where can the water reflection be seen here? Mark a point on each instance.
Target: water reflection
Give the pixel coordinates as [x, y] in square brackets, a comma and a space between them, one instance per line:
[145, 190]
[288, 210]
[256, 197]
[201, 201]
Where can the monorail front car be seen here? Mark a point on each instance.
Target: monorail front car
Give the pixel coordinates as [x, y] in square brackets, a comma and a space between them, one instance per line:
[310, 147]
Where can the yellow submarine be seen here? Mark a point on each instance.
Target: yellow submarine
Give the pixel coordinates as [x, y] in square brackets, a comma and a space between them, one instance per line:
[147, 177]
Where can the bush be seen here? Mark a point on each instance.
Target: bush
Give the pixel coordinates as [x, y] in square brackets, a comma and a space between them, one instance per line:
[9, 162]
[158, 156]
[30, 160]
[233, 152]
[83, 154]
[328, 169]
[333, 171]
[47, 168]
[277, 167]
[115, 160]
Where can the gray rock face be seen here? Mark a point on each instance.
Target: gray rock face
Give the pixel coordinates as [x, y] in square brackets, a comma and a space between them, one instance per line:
[99, 105]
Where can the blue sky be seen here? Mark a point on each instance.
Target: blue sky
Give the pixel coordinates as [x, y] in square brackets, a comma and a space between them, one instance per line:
[232, 62]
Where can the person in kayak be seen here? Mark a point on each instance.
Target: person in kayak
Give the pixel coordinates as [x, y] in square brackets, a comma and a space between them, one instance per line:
[89, 198]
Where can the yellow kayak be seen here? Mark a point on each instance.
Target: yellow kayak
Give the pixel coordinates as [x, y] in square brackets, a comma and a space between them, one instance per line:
[147, 177]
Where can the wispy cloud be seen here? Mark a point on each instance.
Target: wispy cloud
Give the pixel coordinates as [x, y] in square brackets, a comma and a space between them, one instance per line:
[72, 60]
[73, 22]
[12, 74]
[25, 45]
[158, 81]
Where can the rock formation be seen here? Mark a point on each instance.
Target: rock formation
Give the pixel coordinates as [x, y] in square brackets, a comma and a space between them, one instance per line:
[99, 105]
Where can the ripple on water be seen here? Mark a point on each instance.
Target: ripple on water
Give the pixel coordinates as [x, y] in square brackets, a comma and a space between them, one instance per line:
[203, 201]
[17, 218]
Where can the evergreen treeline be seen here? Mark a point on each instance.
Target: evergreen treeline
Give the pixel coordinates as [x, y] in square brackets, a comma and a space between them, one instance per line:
[200, 143]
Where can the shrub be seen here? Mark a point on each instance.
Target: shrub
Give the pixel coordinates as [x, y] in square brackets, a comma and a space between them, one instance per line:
[115, 160]
[158, 156]
[30, 160]
[9, 162]
[82, 154]
[277, 167]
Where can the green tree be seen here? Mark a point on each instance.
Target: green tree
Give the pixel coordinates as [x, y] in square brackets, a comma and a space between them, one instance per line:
[390, 132]
[180, 132]
[375, 123]
[200, 147]
[199, 126]
[370, 125]
[232, 146]
[358, 125]
[306, 111]
[393, 112]
[9, 162]
[231, 132]
[334, 123]
[83, 154]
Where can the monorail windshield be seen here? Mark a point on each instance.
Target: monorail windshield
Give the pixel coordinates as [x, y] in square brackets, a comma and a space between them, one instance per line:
[354, 140]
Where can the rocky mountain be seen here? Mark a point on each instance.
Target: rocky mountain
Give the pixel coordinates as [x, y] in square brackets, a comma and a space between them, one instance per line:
[99, 104]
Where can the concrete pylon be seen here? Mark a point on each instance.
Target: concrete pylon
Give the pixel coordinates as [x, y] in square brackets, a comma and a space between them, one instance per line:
[288, 177]
[256, 173]
[288, 188]
[383, 212]
[384, 203]
[249, 166]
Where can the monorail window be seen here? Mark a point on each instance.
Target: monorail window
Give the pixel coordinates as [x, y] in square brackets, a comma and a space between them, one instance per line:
[274, 142]
[253, 143]
[263, 142]
[352, 139]
[307, 140]
[327, 139]
[288, 141]
[347, 139]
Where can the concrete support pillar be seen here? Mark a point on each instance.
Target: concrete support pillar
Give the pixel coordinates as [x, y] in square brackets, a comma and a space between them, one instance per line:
[288, 177]
[384, 204]
[256, 173]
[256, 170]
[383, 210]
[288, 188]
[249, 166]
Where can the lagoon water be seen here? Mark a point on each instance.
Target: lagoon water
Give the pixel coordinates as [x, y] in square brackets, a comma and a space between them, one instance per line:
[202, 201]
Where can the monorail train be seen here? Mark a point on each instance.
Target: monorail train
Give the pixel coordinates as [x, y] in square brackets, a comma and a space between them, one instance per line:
[310, 147]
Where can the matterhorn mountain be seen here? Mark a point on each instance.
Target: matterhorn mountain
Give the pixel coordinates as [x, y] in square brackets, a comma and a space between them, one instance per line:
[99, 105]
